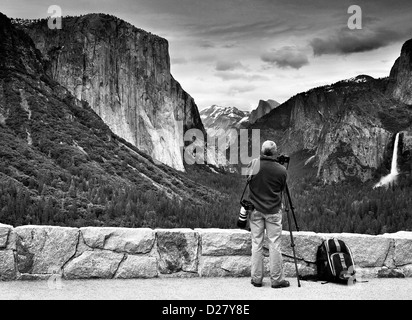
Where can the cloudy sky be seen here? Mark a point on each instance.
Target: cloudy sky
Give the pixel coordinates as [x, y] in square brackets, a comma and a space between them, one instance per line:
[236, 52]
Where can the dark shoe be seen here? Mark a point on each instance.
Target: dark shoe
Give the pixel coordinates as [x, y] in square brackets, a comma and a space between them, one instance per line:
[280, 284]
[256, 284]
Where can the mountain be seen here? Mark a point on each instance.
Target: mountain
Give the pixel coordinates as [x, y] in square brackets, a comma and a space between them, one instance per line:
[218, 119]
[225, 122]
[264, 107]
[222, 122]
[61, 164]
[124, 74]
[401, 76]
[345, 130]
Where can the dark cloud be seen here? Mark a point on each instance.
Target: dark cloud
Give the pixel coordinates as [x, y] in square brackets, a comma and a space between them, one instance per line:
[230, 45]
[286, 57]
[229, 65]
[207, 45]
[347, 41]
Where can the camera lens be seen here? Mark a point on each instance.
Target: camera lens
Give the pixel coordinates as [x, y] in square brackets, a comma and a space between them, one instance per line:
[241, 223]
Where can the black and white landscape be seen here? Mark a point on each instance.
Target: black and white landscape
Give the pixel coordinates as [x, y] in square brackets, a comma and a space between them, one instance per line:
[93, 115]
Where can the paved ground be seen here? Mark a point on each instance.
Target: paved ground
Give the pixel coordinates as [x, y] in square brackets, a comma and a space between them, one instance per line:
[202, 289]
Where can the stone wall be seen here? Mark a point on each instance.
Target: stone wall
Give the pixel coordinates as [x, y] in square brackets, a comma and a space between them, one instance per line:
[36, 252]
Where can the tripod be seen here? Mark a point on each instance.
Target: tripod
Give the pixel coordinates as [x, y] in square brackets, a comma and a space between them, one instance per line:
[290, 208]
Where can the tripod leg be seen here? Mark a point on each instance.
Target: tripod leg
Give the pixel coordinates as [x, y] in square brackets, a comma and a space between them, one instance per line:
[291, 207]
[292, 243]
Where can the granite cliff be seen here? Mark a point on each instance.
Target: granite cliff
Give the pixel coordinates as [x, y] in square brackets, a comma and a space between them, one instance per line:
[400, 86]
[61, 164]
[263, 108]
[124, 74]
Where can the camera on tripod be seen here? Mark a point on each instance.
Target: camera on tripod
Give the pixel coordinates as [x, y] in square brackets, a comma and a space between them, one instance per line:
[282, 159]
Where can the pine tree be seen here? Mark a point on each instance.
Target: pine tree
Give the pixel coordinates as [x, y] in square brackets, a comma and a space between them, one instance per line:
[72, 190]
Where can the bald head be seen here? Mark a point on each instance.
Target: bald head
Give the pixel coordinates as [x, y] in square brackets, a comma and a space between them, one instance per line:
[269, 148]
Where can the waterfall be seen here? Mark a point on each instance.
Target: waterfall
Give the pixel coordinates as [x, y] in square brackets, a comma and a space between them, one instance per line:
[394, 166]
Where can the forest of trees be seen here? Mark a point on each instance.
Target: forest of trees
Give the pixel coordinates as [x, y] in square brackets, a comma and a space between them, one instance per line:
[353, 208]
[94, 202]
[343, 207]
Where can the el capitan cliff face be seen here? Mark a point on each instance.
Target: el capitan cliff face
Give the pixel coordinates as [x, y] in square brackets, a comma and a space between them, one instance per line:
[124, 74]
[59, 162]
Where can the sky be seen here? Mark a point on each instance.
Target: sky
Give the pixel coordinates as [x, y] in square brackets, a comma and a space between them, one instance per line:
[237, 52]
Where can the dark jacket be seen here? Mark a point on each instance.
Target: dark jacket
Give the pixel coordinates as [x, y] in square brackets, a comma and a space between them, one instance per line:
[267, 181]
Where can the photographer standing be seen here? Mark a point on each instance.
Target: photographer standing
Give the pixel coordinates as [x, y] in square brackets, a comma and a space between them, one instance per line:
[267, 180]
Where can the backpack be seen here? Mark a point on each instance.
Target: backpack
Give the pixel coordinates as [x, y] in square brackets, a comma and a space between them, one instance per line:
[334, 262]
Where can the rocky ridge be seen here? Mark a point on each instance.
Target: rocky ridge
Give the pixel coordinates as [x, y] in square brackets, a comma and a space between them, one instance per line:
[400, 78]
[218, 120]
[347, 128]
[264, 107]
[225, 122]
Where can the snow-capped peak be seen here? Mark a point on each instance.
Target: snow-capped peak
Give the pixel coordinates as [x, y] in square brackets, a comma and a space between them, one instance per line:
[216, 111]
[359, 79]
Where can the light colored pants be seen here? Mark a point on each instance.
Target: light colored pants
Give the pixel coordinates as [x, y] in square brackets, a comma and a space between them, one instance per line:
[273, 224]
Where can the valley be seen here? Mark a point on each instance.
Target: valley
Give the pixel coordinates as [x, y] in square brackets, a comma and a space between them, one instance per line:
[92, 126]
